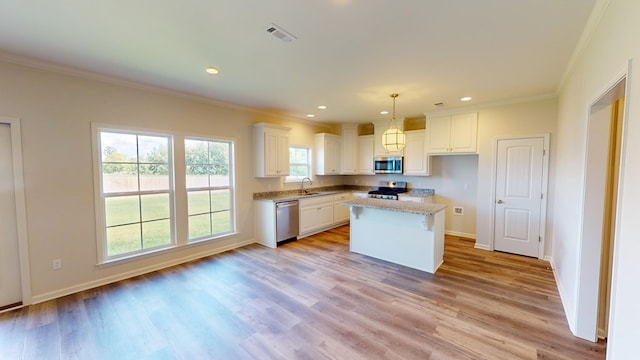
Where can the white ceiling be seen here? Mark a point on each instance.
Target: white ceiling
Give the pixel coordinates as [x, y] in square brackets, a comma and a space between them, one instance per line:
[349, 54]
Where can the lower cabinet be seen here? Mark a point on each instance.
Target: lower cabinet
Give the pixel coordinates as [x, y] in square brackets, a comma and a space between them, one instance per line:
[321, 213]
[316, 214]
[265, 222]
[341, 213]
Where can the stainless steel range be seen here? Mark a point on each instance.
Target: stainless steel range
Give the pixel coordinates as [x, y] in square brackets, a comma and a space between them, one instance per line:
[389, 190]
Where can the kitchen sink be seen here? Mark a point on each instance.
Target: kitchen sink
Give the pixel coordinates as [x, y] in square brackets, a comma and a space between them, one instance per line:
[311, 193]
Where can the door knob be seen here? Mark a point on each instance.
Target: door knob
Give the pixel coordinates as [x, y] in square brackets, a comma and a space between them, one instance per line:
[499, 201]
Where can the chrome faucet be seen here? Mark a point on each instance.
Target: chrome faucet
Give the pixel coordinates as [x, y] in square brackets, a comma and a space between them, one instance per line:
[302, 185]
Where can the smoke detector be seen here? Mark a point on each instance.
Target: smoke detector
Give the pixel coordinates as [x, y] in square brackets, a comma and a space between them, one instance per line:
[280, 33]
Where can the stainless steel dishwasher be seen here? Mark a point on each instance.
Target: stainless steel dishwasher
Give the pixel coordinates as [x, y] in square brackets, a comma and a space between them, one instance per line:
[287, 222]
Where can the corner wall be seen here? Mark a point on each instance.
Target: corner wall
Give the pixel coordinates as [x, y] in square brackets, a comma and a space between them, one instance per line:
[601, 63]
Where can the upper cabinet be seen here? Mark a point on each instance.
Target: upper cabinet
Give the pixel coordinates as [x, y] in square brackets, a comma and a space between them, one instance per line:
[453, 134]
[349, 154]
[328, 152]
[416, 160]
[379, 128]
[365, 155]
[272, 150]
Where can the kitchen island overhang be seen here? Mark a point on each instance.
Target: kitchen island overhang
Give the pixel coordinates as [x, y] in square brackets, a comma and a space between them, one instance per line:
[406, 233]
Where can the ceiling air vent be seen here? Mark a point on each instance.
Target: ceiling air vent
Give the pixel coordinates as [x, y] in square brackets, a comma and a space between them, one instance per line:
[280, 33]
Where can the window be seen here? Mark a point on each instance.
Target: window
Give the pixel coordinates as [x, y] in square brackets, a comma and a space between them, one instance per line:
[209, 187]
[299, 163]
[137, 198]
[136, 192]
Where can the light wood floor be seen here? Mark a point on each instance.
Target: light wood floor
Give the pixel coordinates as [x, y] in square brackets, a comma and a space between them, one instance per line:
[309, 299]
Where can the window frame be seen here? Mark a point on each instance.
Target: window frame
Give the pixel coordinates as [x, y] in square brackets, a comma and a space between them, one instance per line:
[297, 179]
[101, 225]
[231, 187]
[178, 211]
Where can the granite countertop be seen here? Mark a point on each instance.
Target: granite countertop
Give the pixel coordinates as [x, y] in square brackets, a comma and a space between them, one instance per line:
[394, 205]
[298, 195]
[295, 194]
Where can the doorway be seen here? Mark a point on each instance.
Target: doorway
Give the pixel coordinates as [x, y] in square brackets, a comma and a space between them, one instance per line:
[14, 270]
[520, 201]
[599, 211]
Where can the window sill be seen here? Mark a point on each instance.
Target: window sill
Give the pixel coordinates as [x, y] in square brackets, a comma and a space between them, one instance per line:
[163, 250]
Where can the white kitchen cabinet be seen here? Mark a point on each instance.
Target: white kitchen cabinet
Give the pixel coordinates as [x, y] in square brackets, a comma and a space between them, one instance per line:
[416, 160]
[272, 150]
[453, 134]
[341, 213]
[349, 150]
[379, 128]
[316, 214]
[327, 151]
[265, 223]
[365, 155]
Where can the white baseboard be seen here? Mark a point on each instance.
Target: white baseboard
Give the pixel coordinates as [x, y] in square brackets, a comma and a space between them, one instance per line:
[460, 234]
[129, 274]
[563, 298]
[482, 247]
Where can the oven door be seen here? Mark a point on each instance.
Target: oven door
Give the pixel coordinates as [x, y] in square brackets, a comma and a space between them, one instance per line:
[387, 165]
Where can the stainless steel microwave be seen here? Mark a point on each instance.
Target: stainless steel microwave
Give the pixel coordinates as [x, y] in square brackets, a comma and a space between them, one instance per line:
[387, 165]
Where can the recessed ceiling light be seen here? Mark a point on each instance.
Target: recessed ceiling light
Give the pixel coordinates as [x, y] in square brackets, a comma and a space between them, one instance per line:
[384, 112]
[322, 107]
[466, 98]
[310, 115]
[211, 70]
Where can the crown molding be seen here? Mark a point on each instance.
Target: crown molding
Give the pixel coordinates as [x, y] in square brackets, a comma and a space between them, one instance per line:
[493, 104]
[112, 80]
[597, 13]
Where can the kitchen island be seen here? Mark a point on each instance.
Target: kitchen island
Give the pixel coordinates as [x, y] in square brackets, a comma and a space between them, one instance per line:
[402, 232]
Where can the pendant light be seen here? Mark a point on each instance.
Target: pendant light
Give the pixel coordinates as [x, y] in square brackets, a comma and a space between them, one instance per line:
[393, 139]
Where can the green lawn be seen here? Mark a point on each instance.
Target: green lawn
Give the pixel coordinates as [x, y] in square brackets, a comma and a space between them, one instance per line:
[147, 219]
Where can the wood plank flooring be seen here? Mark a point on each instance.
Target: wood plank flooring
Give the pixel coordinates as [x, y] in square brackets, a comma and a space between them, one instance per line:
[309, 299]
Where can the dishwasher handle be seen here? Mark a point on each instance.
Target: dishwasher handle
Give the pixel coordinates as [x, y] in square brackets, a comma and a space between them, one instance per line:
[287, 203]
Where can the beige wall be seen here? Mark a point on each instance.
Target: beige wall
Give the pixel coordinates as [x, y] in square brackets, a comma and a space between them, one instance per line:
[56, 111]
[602, 62]
[529, 118]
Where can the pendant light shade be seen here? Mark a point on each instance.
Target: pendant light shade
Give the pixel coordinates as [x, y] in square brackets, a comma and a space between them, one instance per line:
[393, 139]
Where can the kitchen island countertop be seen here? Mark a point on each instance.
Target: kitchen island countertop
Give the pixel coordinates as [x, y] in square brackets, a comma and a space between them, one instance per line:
[394, 205]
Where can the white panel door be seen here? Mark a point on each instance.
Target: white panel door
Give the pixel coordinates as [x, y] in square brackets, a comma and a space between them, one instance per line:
[519, 195]
[10, 285]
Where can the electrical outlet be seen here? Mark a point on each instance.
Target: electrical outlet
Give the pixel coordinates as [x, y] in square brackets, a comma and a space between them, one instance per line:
[56, 264]
[458, 210]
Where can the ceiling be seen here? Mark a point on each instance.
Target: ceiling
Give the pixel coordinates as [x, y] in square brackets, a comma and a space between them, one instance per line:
[349, 55]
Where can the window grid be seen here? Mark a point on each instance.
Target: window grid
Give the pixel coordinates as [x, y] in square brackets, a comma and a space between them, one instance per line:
[134, 232]
[299, 163]
[217, 167]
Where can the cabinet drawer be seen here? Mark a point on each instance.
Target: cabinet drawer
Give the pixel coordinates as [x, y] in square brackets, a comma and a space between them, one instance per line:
[316, 200]
[343, 197]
